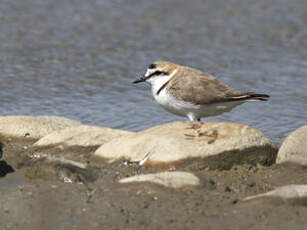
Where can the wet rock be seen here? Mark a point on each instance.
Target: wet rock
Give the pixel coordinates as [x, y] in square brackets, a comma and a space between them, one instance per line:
[295, 194]
[168, 179]
[294, 148]
[200, 145]
[63, 170]
[32, 127]
[82, 135]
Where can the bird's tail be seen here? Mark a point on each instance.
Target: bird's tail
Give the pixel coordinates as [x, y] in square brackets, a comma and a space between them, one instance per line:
[249, 96]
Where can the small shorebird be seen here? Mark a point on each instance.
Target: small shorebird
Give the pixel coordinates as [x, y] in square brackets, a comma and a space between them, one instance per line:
[188, 92]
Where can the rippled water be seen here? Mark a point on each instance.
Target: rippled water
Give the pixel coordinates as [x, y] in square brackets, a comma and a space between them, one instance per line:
[77, 58]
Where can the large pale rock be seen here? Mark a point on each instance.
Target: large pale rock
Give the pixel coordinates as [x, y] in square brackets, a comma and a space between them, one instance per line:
[32, 127]
[18, 133]
[294, 148]
[168, 179]
[82, 135]
[76, 143]
[217, 145]
[293, 193]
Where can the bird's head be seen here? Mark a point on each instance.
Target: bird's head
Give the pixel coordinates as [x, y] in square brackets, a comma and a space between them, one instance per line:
[158, 70]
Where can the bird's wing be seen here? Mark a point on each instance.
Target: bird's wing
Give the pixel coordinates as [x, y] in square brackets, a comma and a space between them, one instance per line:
[200, 88]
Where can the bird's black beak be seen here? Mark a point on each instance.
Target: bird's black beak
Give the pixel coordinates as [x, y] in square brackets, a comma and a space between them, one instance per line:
[142, 79]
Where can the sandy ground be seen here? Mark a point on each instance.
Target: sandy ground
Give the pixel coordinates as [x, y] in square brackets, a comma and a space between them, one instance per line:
[30, 200]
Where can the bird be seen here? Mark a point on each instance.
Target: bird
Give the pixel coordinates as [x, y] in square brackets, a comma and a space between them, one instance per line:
[191, 93]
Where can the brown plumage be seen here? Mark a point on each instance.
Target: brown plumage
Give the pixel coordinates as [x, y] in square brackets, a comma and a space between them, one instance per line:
[196, 87]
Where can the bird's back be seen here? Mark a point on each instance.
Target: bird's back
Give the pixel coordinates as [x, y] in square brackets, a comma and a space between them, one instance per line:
[197, 87]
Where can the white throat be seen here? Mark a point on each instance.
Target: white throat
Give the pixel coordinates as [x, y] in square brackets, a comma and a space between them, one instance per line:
[158, 81]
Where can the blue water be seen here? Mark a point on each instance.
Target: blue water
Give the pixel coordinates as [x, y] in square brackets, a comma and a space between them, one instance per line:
[78, 58]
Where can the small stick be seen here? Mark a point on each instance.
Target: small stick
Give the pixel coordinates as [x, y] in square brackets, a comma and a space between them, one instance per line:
[146, 157]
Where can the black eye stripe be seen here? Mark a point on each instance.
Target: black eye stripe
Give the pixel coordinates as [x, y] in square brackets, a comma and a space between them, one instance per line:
[156, 73]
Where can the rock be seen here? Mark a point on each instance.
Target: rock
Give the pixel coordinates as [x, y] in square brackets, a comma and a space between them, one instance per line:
[5, 168]
[82, 135]
[202, 145]
[63, 170]
[32, 127]
[73, 143]
[18, 133]
[296, 194]
[168, 179]
[294, 148]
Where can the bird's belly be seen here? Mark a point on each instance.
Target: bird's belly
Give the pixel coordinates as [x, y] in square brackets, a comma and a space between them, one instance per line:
[174, 105]
[183, 108]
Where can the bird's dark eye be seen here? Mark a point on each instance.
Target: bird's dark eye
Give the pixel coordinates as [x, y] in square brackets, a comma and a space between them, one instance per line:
[152, 66]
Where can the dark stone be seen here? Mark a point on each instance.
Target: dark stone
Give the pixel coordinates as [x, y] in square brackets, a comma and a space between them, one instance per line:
[5, 168]
[1, 150]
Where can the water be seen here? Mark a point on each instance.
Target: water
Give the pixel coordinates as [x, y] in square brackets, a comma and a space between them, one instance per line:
[77, 58]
